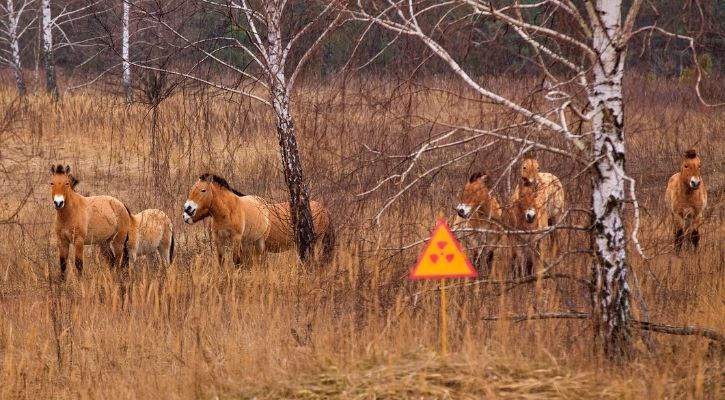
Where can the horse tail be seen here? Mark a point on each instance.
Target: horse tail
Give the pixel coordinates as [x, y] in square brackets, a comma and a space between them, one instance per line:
[124, 258]
[328, 242]
[171, 249]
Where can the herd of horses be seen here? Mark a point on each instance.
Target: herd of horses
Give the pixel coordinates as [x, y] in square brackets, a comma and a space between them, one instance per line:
[537, 205]
[254, 226]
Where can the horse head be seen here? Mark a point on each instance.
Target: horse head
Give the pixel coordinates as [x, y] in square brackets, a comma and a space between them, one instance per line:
[62, 183]
[690, 170]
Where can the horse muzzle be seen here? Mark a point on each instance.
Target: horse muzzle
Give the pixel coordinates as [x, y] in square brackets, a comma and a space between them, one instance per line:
[190, 208]
[463, 210]
[58, 202]
[694, 183]
[188, 219]
[530, 216]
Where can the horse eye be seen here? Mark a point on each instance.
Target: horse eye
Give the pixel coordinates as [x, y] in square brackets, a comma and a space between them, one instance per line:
[67, 184]
[203, 190]
[687, 166]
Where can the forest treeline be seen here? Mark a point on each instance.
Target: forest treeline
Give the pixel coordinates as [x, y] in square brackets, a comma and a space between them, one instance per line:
[87, 36]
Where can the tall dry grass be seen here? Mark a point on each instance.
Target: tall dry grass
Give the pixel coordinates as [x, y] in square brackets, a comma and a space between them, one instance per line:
[355, 328]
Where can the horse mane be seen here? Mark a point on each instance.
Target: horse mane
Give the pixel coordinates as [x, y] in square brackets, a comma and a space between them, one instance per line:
[476, 176]
[207, 177]
[529, 156]
[691, 153]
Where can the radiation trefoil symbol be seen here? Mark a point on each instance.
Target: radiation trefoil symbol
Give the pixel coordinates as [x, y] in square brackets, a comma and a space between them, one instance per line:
[442, 257]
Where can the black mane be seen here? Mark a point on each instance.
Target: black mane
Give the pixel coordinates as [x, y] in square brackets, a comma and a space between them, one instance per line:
[692, 153]
[207, 177]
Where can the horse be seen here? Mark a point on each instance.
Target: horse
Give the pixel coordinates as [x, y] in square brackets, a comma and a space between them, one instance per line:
[479, 209]
[250, 222]
[81, 220]
[686, 198]
[527, 213]
[547, 186]
[152, 232]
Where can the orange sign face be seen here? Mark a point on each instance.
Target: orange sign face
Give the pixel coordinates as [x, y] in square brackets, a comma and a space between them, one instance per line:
[442, 257]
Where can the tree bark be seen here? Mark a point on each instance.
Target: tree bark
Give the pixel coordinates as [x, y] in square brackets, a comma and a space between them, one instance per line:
[611, 299]
[51, 84]
[125, 49]
[13, 22]
[301, 213]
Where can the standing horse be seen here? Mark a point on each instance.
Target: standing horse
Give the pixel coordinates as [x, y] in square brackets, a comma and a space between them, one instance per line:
[547, 186]
[152, 232]
[686, 197]
[479, 207]
[527, 213]
[81, 220]
[250, 221]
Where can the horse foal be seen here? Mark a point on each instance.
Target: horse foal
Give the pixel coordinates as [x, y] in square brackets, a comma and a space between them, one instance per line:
[152, 232]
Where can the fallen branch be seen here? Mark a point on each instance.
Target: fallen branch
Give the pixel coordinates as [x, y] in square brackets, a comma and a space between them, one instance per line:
[644, 325]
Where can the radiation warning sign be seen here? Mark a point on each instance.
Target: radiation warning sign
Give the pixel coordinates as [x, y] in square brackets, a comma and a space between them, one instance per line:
[442, 257]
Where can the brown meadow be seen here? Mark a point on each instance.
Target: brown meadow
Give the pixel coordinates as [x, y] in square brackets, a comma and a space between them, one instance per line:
[355, 328]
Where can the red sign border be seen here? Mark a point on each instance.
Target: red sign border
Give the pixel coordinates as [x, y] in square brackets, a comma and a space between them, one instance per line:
[442, 222]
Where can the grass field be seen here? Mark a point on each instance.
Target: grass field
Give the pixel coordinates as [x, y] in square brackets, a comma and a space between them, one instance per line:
[356, 328]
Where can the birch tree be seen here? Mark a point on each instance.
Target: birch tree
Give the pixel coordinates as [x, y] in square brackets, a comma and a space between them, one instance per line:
[125, 50]
[51, 84]
[12, 28]
[578, 47]
[275, 39]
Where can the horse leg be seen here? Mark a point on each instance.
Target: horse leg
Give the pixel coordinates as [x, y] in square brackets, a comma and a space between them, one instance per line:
[119, 246]
[259, 247]
[63, 247]
[78, 243]
[237, 250]
[695, 238]
[679, 238]
[219, 244]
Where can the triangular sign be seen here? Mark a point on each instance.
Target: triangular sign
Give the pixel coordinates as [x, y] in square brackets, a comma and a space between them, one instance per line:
[442, 257]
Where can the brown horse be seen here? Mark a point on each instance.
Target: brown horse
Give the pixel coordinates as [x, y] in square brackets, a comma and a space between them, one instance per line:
[479, 207]
[249, 222]
[527, 213]
[81, 220]
[686, 198]
[152, 232]
[547, 186]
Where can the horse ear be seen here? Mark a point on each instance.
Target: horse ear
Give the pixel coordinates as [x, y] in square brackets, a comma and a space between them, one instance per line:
[52, 168]
[73, 181]
[67, 169]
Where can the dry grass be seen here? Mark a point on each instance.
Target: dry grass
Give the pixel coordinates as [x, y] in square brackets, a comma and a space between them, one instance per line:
[351, 329]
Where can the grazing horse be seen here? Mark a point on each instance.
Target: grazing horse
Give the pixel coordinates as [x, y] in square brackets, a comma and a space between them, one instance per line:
[250, 222]
[479, 207]
[81, 220]
[152, 232]
[686, 198]
[547, 186]
[527, 213]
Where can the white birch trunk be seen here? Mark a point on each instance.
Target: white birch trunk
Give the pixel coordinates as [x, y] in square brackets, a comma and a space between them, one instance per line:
[13, 22]
[612, 296]
[125, 47]
[292, 165]
[50, 80]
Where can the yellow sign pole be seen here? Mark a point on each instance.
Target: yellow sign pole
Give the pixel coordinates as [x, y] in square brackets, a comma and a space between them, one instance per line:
[444, 321]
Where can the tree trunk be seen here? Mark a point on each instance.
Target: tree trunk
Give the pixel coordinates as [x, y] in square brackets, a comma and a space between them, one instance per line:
[51, 85]
[13, 21]
[611, 299]
[125, 45]
[291, 164]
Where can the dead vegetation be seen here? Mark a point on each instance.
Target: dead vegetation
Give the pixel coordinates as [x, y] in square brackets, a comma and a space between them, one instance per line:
[355, 328]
